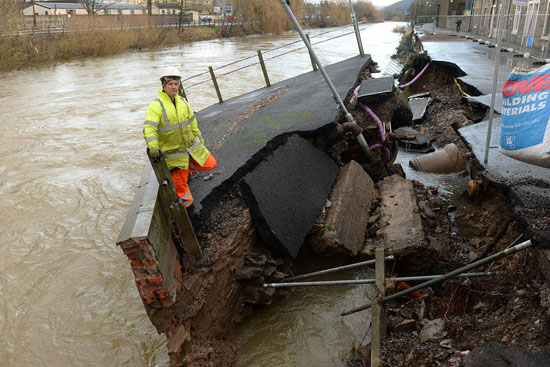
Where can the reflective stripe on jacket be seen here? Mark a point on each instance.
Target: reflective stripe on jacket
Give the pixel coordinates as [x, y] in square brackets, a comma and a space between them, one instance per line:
[174, 129]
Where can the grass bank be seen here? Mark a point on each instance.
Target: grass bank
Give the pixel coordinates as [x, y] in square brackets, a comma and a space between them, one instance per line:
[26, 51]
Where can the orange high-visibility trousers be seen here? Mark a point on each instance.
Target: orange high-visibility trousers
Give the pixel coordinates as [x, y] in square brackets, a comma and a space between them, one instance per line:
[179, 176]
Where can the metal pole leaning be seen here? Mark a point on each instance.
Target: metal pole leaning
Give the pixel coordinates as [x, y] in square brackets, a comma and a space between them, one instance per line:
[264, 69]
[360, 138]
[332, 270]
[495, 76]
[313, 64]
[367, 281]
[215, 84]
[494, 257]
[356, 28]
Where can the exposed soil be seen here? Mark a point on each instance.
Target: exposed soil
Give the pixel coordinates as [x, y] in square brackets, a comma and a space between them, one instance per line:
[510, 307]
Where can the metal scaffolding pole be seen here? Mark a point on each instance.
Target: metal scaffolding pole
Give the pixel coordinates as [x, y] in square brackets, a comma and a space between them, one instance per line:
[356, 28]
[360, 138]
[494, 257]
[366, 281]
[495, 77]
[332, 270]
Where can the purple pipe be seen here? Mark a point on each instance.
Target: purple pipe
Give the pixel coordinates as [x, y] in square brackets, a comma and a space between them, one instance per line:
[403, 86]
[387, 152]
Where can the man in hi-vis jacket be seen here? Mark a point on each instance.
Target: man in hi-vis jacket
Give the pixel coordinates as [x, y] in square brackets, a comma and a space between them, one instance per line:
[171, 127]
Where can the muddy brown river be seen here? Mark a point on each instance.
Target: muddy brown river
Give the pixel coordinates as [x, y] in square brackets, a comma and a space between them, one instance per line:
[72, 155]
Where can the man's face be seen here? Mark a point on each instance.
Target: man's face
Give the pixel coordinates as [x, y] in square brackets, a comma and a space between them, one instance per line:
[171, 88]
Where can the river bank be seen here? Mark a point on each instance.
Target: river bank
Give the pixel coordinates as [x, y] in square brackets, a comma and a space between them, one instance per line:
[29, 51]
[24, 51]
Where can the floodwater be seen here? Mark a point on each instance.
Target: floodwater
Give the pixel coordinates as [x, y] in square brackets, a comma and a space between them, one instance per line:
[72, 155]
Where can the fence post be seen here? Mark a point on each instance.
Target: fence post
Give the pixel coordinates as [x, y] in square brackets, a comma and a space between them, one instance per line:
[313, 64]
[378, 310]
[215, 84]
[264, 69]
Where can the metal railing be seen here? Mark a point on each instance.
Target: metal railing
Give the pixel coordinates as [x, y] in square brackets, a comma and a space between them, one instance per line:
[260, 61]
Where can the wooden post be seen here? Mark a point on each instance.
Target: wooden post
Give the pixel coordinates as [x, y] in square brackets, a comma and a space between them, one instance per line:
[313, 64]
[378, 311]
[215, 84]
[264, 69]
[174, 209]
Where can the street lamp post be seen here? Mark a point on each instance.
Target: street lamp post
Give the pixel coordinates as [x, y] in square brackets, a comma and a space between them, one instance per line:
[356, 27]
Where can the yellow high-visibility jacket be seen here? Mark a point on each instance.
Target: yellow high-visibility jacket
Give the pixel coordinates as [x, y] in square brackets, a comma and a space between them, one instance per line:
[174, 129]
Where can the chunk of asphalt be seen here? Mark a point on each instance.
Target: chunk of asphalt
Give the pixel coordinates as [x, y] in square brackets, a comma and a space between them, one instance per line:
[287, 192]
[375, 90]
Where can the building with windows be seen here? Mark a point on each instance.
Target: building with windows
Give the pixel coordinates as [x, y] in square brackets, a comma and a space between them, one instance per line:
[77, 8]
[202, 6]
[526, 23]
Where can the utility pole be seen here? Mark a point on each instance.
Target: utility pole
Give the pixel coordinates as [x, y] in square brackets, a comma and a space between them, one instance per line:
[33, 14]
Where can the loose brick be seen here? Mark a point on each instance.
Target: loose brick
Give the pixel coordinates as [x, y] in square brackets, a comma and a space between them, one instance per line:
[131, 250]
[155, 280]
[149, 298]
[146, 289]
[162, 293]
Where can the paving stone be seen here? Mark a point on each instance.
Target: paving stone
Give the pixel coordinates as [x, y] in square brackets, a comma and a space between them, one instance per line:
[418, 107]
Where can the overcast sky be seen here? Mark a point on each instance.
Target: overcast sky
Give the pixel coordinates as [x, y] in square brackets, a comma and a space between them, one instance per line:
[375, 2]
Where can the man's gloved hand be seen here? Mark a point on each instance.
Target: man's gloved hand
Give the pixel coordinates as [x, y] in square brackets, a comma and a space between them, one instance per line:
[154, 152]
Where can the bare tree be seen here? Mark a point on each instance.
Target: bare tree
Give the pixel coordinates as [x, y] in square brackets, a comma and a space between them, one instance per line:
[182, 4]
[93, 6]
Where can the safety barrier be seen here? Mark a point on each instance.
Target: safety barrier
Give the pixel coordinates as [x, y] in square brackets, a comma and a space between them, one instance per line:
[261, 59]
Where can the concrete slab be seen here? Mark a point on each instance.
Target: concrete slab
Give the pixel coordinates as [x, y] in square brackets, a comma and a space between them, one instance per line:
[287, 192]
[348, 216]
[402, 225]
[418, 107]
[486, 100]
[476, 61]
[242, 130]
[529, 185]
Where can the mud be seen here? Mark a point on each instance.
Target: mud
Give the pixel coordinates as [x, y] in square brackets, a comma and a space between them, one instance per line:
[512, 307]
